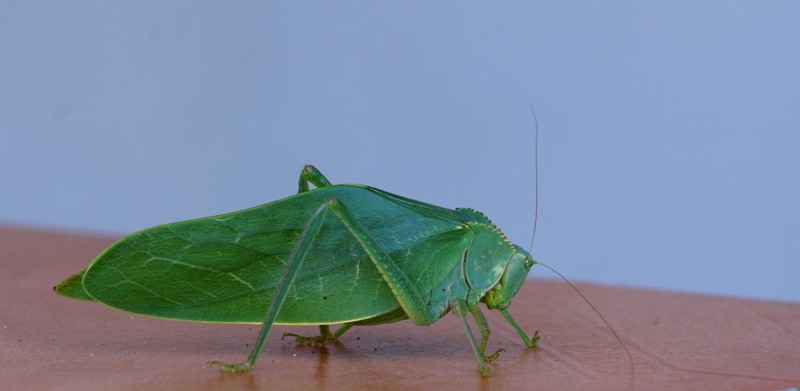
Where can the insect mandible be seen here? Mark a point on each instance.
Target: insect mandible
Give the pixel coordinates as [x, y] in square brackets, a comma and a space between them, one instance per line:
[338, 254]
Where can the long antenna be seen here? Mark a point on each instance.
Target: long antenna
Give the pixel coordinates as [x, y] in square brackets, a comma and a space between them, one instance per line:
[535, 174]
[619, 339]
[533, 237]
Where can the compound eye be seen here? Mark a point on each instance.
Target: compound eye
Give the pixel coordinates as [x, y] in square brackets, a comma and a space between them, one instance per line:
[529, 263]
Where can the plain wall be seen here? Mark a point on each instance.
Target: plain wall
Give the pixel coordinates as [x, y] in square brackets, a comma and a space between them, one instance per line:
[669, 130]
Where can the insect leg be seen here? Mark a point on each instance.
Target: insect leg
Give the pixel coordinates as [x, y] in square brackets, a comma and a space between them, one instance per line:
[311, 174]
[325, 331]
[483, 326]
[325, 335]
[310, 231]
[404, 290]
[459, 308]
[529, 342]
[341, 331]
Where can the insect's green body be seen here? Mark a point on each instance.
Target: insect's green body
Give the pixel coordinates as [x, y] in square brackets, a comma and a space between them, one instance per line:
[378, 258]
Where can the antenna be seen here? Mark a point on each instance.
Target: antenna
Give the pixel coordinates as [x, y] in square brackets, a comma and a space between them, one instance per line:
[533, 237]
[535, 174]
[603, 318]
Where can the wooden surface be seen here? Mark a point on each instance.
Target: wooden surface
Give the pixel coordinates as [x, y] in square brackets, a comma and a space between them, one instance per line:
[678, 341]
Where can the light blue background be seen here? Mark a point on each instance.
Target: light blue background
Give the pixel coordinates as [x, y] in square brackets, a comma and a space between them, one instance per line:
[669, 130]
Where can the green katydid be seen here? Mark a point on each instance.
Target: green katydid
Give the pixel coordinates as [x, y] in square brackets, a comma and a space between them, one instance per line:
[337, 254]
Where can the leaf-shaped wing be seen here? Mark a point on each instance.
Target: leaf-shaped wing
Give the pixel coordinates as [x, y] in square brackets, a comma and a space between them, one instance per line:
[225, 268]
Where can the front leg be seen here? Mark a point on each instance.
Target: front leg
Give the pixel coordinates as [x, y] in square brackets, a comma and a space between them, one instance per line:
[529, 341]
[460, 308]
[483, 327]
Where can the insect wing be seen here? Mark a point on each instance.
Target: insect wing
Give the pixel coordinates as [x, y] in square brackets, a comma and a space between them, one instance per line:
[224, 268]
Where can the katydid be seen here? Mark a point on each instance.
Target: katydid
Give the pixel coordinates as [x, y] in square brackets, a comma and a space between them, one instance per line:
[338, 254]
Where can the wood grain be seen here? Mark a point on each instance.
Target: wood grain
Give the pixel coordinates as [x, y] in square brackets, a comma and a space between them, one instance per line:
[678, 341]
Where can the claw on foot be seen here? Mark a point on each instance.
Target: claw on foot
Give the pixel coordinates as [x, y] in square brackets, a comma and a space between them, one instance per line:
[303, 340]
[230, 368]
[534, 340]
[494, 355]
